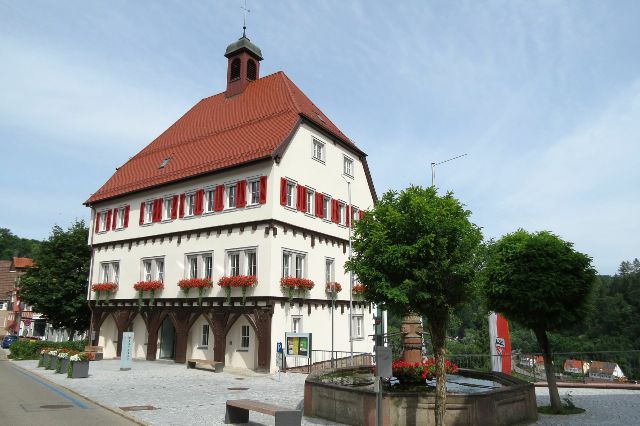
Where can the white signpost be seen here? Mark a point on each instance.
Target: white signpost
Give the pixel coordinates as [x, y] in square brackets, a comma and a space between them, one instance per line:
[126, 355]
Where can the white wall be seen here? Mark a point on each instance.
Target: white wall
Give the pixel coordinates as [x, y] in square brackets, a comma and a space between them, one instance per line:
[139, 337]
[108, 337]
[236, 356]
[194, 347]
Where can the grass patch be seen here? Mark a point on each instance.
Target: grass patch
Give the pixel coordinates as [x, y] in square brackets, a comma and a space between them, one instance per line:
[547, 409]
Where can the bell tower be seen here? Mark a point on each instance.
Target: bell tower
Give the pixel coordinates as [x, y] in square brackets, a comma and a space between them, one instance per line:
[244, 65]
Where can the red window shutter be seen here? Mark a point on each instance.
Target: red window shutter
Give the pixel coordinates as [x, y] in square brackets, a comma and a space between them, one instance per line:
[283, 191]
[142, 212]
[181, 208]
[115, 219]
[126, 216]
[319, 204]
[298, 197]
[334, 211]
[157, 209]
[302, 196]
[241, 194]
[97, 228]
[174, 207]
[219, 204]
[199, 207]
[263, 190]
[348, 212]
[109, 213]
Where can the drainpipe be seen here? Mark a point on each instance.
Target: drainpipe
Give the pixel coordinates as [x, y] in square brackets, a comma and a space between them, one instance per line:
[91, 232]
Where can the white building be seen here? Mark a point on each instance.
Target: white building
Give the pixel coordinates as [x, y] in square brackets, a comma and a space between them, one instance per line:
[252, 181]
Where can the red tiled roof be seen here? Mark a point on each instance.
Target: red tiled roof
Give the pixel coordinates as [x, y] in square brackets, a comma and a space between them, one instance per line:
[218, 133]
[573, 363]
[22, 262]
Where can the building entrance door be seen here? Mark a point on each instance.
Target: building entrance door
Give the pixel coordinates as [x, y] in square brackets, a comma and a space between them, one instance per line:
[167, 339]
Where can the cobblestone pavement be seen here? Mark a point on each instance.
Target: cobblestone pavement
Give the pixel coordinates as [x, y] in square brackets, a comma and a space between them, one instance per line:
[196, 397]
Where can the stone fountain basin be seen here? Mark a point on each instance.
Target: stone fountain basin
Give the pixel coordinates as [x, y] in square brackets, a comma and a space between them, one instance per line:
[511, 401]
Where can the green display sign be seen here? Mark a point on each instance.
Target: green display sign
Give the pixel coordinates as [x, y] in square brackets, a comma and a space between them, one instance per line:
[298, 344]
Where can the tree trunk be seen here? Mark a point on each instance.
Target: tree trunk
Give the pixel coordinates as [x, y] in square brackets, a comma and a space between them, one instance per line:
[554, 396]
[438, 332]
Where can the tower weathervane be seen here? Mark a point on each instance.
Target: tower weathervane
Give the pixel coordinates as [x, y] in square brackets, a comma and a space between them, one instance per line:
[244, 18]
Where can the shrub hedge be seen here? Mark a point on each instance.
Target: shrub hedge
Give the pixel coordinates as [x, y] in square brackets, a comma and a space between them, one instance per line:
[30, 349]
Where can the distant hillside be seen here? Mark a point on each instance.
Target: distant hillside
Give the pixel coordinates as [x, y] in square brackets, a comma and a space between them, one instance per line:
[12, 245]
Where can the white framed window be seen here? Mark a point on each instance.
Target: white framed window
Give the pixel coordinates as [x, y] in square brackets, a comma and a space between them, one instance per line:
[254, 192]
[204, 340]
[153, 269]
[327, 207]
[348, 166]
[109, 272]
[103, 221]
[209, 200]
[120, 218]
[318, 151]
[148, 212]
[329, 270]
[355, 214]
[199, 265]
[293, 264]
[291, 194]
[231, 196]
[311, 197]
[190, 201]
[166, 208]
[244, 341]
[296, 324]
[242, 262]
[357, 324]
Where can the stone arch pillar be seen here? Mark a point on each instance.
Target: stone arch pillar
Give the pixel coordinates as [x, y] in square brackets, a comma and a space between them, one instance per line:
[182, 321]
[218, 321]
[153, 319]
[262, 320]
[98, 317]
[123, 319]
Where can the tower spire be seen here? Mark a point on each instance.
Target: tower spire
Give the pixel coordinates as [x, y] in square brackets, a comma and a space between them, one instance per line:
[244, 18]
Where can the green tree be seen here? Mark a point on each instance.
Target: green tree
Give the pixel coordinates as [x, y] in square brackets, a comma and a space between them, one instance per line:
[57, 286]
[414, 253]
[538, 280]
[11, 245]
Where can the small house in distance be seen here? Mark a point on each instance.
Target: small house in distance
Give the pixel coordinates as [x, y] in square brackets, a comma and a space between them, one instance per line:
[576, 366]
[601, 370]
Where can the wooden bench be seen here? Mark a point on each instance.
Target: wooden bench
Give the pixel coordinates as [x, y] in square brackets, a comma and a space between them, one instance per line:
[97, 351]
[217, 365]
[238, 412]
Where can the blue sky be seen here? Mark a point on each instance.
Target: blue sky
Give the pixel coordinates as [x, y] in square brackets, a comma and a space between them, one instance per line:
[543, 96]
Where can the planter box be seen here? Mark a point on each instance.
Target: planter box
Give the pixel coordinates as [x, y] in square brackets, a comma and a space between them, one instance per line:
[50, 362]
[43, 358]
[79, 369]
[63, 366]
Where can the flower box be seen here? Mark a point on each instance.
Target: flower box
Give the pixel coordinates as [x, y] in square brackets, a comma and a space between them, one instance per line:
[200, 283]
[78, 369]
[106, 288]
[289, 284]
[151, 287]
[64, 364]
[44, 359]
[242, 281]
[333, 288]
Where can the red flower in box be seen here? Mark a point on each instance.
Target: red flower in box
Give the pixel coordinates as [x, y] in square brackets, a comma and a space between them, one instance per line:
[293, 283]
[107, 288]
[418, 372]
[150, 286]
[242, 281]
[200, 283]
[333, 287]
[358, 288]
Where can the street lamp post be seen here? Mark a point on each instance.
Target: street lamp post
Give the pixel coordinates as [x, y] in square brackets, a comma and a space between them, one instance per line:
[433, 168]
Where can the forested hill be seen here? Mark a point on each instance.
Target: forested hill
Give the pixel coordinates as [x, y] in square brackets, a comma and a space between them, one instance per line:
[11, 245]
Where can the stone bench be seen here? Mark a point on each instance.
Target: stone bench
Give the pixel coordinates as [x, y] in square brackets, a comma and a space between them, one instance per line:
[238, 412]
[96, 350]
[217, 365]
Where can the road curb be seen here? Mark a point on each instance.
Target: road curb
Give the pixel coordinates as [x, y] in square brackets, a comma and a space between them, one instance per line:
[114, 410]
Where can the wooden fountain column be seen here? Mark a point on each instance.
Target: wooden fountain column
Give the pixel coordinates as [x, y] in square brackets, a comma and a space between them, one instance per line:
[412, 338]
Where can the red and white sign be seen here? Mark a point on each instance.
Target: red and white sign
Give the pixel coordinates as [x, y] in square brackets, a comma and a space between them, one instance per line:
[500, 343]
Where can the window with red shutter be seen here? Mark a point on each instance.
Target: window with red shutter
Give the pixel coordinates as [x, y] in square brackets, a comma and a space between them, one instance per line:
[126, 216]
[263, 190]
[319, 204]
[142, 212]
[219, 205]
[97, 228]
[302, 198]
[181, 208]
[283, 191]
[109, 220]
[347, 215]
[174, 207]
[241, 194]
[199, 207]
[334, 210]
[114, 221]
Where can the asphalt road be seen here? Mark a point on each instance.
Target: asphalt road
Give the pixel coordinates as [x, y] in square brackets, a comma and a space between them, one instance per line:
[29, 400]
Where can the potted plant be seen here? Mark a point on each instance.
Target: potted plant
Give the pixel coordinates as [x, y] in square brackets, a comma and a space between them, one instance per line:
[106, 288]
[333, 289]
[200, 283]
[44, 356]
[151, 287]
[50, 362]
[78, 366]
[291, 284]
[358, 290]
[63, 359]
[242, 281]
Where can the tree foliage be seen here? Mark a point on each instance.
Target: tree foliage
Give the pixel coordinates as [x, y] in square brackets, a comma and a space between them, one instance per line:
[57, 286]
[414, 252]
[542, 283]
[11, 245]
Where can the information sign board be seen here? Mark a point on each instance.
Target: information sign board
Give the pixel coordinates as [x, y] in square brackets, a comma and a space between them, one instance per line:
[298, 344]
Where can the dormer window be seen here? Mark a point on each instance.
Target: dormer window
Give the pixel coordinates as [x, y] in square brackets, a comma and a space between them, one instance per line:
[252, 70]
[235, 70]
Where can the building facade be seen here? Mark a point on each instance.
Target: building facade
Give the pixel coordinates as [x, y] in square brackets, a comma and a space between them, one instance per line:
[16, 317]
[253, 182]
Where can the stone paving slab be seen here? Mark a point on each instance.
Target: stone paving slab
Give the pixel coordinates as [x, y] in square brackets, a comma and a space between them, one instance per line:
[197, 397]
